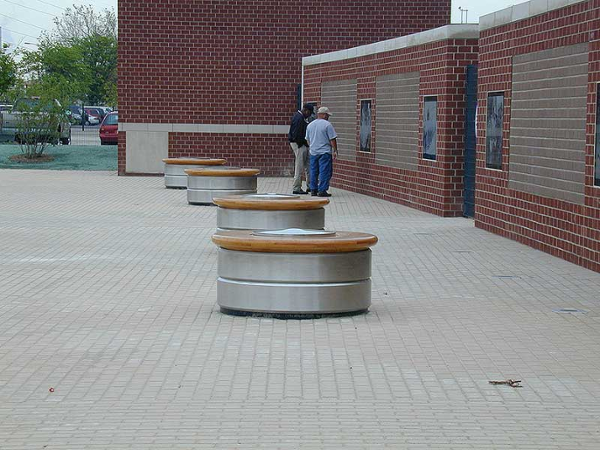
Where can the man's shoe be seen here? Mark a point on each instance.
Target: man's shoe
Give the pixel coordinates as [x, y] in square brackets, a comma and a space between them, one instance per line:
[300, 192]
[313, 193]
[324, 194]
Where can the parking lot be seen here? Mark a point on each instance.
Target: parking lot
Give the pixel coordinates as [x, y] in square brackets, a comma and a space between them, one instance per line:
[89, 136]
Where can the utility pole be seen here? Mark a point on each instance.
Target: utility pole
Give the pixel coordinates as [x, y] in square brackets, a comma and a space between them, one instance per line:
[464, 15]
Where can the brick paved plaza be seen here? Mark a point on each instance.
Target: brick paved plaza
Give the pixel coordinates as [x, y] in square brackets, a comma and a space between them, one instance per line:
[107, 295]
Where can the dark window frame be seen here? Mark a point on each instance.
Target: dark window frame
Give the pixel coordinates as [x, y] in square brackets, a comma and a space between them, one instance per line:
[492, 161]
[597, 140]
[368, 147]
[430, 156]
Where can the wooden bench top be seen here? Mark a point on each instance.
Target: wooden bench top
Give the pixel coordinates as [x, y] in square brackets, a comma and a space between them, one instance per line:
[222, 172]
[256, 202]
[340, 242]
[195, 161]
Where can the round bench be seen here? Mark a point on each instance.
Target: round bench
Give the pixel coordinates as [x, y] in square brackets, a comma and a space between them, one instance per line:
[294, 273]
[175, 176]
[206, 184]
[270, 212]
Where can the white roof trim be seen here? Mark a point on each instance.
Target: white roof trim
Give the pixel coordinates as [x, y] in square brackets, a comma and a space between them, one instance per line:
[462, 31]
[522, 11]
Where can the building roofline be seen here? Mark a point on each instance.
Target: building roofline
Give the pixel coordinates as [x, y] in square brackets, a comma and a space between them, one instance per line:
[457, 31]
[522, 11]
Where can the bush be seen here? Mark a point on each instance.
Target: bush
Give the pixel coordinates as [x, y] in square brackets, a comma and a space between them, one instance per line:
[38, 125]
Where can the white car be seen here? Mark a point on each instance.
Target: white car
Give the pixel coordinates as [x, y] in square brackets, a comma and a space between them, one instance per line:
[92, 120]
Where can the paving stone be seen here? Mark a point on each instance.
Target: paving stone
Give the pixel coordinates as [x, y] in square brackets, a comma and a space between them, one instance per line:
[108, 291]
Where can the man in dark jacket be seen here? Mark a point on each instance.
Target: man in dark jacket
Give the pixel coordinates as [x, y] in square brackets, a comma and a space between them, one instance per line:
[300, 147]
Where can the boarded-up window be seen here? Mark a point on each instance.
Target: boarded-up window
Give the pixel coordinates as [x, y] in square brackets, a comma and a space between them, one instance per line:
[493, 131]
[340, 97]
[397, 124]
[548, 119]
[430, 127]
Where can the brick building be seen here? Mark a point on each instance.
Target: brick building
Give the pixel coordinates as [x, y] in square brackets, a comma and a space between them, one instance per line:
[537, 146]
[407, 96]
[212, 77]
[537, 183]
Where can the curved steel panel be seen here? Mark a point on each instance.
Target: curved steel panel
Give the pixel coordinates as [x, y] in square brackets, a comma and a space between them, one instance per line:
[225, 183]
[294, 267]
[178, 169]
[280, 298]
[175, 181]
[205, 197]
[247, 219]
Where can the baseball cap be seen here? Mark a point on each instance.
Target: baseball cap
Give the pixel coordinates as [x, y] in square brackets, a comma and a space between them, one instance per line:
[324, 110]
[309, 107]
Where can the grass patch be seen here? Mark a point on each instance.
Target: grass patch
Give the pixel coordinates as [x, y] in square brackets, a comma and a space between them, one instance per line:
[65, 157]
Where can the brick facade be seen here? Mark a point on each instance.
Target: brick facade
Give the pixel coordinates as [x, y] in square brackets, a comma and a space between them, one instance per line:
[395, 169]
[559, 214]
[218, 62]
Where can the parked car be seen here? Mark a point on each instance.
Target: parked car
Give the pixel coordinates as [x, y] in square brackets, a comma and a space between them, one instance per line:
[74, 112]
[102, 110]
[9, 122]
[109, 134]
[94, 117]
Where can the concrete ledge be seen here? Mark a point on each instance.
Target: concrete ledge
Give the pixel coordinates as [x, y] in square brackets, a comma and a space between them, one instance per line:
[522, 11]
[204, 128]
[462, 31]
[145, 151]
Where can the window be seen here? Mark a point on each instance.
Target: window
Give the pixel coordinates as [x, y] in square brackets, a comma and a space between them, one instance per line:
[365, 125]
[597, 151]
[111, 119]
[430, 127]
[493, 139]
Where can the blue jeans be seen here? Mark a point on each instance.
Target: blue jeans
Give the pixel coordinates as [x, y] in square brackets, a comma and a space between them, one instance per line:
[321, 169]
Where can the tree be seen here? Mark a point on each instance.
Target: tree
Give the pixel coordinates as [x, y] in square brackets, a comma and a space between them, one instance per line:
[81, 22]
[8, 72]
[94, 36]
[54, 77]
[100, 58]
[40, 122]
[56, 69]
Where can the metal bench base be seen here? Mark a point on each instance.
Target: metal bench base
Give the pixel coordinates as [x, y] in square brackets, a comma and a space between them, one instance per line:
[248, 219]
[294, 285]
[206, 196]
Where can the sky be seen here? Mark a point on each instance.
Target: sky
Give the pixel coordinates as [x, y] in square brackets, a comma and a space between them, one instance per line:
[22, 21]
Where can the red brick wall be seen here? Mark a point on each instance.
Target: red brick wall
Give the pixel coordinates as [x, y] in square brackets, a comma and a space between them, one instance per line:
[242, 150]
[214, 61]
[121, 153]
[436, 186]
[563, 229]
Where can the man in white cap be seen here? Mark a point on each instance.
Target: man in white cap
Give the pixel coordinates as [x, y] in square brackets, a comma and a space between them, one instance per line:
[322, 142]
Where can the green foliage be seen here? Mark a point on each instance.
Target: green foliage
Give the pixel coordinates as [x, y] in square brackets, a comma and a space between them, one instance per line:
[75, 63]
[39, 122]
[100, 59]
[110, 91]
[56, 71]
[8, 72]
[83, 44]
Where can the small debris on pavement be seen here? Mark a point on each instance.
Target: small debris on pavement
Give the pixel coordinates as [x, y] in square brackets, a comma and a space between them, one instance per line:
[509, 382]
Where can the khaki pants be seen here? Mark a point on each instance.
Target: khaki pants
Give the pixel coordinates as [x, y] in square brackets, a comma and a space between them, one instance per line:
[301, 167]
